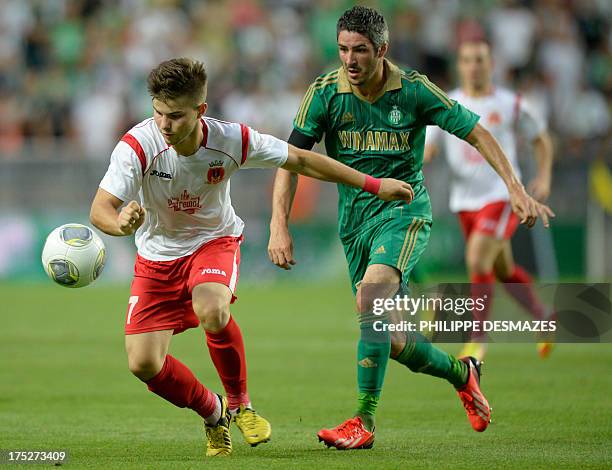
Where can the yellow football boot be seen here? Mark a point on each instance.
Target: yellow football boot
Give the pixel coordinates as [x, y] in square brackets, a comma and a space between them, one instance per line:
[218, 435]
[544, 349]
[255, 429]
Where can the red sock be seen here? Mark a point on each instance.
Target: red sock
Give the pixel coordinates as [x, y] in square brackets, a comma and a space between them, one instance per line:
[227, 353]
[520, 286]
[483, 286]
[177, 384]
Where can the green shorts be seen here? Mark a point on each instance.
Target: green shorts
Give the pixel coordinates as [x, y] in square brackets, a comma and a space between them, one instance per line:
[397, 242]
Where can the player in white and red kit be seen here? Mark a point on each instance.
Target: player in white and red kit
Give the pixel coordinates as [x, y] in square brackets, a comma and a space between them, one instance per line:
[174, 170]
[478, 195]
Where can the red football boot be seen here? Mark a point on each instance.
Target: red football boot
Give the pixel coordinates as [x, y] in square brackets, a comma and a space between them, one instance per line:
[351, 434]
[475, 404]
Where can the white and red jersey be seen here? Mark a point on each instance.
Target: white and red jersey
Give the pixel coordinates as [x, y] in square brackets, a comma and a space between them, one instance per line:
[474, 182]
[187, 199]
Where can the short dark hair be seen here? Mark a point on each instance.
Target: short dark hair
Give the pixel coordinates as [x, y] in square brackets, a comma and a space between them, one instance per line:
[476, 37]
[366, 21]
[179, 77]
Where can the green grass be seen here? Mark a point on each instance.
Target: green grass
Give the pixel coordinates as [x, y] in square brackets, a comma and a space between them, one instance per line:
[64, 384]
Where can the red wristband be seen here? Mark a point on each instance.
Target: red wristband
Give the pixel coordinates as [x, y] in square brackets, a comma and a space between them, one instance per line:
[372, 185]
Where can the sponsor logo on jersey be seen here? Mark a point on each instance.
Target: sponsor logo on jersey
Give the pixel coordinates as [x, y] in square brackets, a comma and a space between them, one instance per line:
[380, 250]
[216, 172]
[374, 140]
[161, 174]
[185, 203]
[220, 272]
[395, 116]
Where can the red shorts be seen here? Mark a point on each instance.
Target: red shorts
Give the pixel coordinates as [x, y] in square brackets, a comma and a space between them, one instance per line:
[160, 298]
[495, 219]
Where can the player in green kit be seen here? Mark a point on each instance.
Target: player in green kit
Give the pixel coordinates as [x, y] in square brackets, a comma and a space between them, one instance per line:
[373, 116]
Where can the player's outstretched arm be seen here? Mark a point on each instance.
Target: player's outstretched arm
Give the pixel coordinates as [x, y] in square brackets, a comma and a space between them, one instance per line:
[523, 205]
[280, 245]
[539, 187]
[106, 216]
[305, 162]
[319, 166]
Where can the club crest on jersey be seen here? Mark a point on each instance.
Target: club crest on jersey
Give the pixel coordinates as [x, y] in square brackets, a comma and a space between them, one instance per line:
[395, 116]
[216, 172]
[494, 119]
[347, 117]
[185, 203]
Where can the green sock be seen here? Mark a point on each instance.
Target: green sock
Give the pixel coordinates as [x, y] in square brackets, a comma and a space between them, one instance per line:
[366, 407]
[372, 357]
[420, 355]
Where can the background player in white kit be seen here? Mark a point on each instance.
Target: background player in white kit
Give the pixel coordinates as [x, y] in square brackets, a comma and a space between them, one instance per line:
[477, 193]
[174, 170]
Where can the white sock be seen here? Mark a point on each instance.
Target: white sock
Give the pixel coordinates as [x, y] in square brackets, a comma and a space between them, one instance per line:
[234, 411]
[216, 415]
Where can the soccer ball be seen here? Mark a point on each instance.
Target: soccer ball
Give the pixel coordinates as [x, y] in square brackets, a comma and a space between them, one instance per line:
[73, 255]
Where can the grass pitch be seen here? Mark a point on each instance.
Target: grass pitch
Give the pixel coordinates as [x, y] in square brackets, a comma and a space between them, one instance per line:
[64, 384]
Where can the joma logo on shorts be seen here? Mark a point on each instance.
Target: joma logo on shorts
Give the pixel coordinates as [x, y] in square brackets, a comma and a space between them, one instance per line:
[214, 271]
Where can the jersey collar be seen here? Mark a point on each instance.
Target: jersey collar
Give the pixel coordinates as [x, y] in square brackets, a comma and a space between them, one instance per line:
[204, 133]
[394, 82]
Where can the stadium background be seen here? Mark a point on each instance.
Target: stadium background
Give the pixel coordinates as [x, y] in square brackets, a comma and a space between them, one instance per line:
[72, 81]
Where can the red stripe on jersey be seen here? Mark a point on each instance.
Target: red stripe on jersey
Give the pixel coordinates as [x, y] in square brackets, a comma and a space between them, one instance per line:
[136, 147]
[204, 133]
[517, 108]
[245, 142]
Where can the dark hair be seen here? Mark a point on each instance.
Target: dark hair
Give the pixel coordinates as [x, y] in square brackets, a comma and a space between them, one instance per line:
[175, 78]
[477, 39]
[366, 21]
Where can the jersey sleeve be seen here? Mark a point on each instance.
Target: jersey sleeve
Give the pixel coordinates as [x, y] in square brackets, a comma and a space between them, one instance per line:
[265, 151]
[310, 119]
[528, 122]
[123, 178]
[437, 108]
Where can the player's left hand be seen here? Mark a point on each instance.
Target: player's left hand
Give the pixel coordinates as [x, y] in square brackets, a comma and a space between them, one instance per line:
[528, 209]
[395, 190]
[539, 188]
[280, 246]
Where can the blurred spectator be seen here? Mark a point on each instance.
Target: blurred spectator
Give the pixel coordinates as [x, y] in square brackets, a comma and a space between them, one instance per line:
[561, 55]
[404, 45]
[586, 115]
[97, 119]
[437, 37]
[75, 70]
[11, 118]
[513, 33]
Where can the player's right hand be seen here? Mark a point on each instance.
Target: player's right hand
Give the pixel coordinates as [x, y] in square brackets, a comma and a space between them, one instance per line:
[130, 218]
[280, 247]
[395, 190]
[528, 209]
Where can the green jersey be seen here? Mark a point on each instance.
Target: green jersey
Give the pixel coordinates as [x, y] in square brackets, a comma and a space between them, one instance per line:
[383, 137]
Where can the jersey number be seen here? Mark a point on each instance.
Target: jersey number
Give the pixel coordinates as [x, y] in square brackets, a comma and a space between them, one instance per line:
[133, 301]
